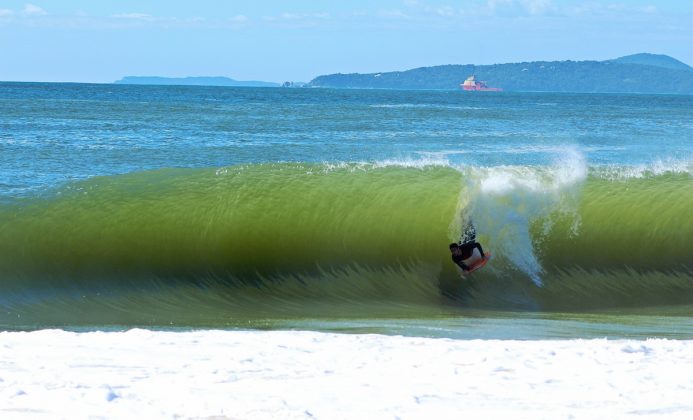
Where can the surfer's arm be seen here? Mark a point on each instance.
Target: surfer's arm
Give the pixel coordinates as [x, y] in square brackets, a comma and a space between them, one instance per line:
[481, 250]
[463, 270]
[462, 265]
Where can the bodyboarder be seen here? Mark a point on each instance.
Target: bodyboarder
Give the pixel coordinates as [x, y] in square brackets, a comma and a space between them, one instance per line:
[464, 254]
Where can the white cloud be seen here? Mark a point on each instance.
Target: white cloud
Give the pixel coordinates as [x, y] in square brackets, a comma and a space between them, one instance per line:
[445, 11]
[419, 9]
[239, 19]
[134, 16]
[611, 9]
[33, 10]
[519, 7]
[295, 16]
[393, 14]
[499, 6]
[5, 13]
[537, 7]
[300, 19]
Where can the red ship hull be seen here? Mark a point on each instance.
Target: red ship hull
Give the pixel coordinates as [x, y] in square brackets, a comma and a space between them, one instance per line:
[481, 88]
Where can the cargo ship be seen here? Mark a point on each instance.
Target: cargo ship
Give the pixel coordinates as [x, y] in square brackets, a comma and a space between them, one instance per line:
[472, 84]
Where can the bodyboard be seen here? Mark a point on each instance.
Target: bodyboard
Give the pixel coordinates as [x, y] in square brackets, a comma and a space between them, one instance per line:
[479, 263]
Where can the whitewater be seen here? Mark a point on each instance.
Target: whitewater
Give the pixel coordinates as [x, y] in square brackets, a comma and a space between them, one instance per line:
[261, 253]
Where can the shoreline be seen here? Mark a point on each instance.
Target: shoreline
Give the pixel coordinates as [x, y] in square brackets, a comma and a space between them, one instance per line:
[302, 374]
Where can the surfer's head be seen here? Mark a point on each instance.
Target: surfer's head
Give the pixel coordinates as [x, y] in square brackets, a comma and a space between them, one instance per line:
[454, 248]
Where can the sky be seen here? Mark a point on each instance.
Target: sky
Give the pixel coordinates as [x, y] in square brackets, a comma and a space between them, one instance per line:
[273, 40]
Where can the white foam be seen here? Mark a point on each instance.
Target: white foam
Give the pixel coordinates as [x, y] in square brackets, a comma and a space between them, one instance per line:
[327, 166]
[413, 163]
[421, 163]
[569, 169]
[506, 200]
[655, 168]
[282, 374]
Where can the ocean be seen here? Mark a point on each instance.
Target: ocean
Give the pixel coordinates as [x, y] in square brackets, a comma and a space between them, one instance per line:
[180, 208]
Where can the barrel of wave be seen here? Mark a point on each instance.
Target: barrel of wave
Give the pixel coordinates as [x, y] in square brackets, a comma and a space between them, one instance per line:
[240, 221]
[568, 240]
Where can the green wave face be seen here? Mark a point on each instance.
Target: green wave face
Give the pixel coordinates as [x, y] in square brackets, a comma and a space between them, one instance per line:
[264, 219]
[644, 224]
[280, 239]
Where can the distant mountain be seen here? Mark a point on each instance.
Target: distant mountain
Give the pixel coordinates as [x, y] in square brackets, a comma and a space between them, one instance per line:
[617, 75]
[657, 60]
[191, 81]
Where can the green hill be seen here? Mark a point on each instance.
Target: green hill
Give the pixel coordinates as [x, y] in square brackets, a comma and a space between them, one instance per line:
[544, 76]
[191, 81]
[657, 60]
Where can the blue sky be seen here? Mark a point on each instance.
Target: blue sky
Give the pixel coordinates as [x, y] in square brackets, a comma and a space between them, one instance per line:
[101, 41]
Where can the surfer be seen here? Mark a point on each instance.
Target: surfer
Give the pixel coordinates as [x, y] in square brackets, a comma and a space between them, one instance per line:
[465, 251]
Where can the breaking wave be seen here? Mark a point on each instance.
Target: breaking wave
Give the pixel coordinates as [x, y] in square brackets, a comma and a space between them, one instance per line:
[211, 245]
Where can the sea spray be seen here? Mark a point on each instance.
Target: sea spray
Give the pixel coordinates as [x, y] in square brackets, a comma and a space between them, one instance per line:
[506, 201]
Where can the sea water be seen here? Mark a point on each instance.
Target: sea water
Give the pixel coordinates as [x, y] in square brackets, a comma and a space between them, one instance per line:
[332, 210]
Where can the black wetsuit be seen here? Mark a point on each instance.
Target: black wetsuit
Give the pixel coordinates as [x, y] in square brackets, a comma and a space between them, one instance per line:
[467, 251]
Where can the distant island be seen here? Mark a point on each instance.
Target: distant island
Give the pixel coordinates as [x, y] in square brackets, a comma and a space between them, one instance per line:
[192, 81]
[638, 73]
